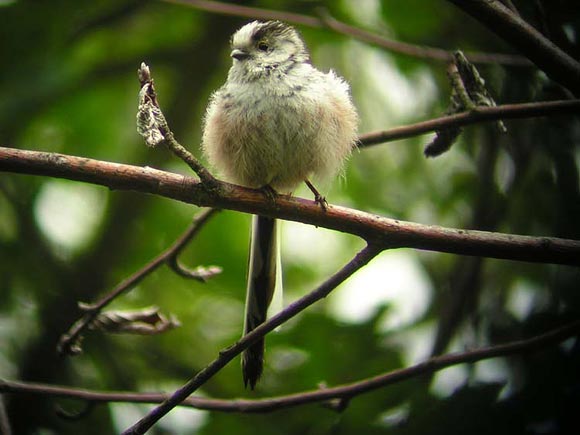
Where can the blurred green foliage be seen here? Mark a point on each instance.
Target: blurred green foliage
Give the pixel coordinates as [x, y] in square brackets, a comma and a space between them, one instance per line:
[68, 84]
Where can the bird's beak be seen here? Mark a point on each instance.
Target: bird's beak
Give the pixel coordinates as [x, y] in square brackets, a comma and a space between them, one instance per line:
[239, 54]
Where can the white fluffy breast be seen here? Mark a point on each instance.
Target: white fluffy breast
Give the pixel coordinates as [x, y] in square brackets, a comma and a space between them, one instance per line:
[280, 130]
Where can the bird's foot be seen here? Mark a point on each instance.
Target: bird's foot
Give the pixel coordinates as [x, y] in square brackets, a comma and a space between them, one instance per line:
[321, 200]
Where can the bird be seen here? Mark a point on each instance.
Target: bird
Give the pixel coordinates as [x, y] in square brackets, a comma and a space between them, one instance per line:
[275, 123]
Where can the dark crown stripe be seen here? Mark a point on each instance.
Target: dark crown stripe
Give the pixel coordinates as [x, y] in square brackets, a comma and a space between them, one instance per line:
[271, 28]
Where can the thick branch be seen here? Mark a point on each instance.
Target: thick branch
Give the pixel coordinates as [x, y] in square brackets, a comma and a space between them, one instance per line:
[479, 114]
[388, 233]
[360, 260]
[276, 403]
[326, 20]
[560, 66]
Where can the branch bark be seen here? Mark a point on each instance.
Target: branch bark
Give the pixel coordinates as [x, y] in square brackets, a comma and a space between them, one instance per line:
[325, 20]
[556, 63]
[479, 114]
[343, 392]
[384, 232]
[68, 343]
[225, 356]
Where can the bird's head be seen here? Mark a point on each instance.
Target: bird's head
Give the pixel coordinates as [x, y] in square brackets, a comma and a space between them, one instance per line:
[259, 47]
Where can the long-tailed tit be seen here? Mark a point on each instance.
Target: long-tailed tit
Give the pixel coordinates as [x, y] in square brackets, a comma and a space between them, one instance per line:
[276, 122]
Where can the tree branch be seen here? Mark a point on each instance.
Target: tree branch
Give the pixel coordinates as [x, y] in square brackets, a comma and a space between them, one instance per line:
[556, 63]
[479, 114]
[344, 392]
[225, 356]
[152, 125]
[325, 20]
[69, 342]
[385, 232]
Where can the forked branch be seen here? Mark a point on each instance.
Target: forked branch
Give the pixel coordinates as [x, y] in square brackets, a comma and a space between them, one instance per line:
[225, 356]
[476, 116]
[340, 392]
[388, 233]
[69, 342]
[324, 19]
[511, 27]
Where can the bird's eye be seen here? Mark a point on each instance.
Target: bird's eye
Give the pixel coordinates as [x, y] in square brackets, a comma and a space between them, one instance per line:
[262, 46]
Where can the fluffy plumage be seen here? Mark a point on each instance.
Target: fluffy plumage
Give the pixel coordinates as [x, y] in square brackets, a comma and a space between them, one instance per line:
[276, 122]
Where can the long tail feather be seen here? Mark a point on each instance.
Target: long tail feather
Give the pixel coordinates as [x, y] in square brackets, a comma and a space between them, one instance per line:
[260, 289]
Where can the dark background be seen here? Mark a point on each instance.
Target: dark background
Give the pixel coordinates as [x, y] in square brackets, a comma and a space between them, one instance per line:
[68, 84]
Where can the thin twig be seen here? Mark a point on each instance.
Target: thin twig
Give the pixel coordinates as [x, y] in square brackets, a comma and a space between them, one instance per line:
[271, 404]
[389, 233]
[557, 64]
[480, 114]
[225, 356]
[68, 343]
[325, 20]
[152, 123]
[421, 51]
